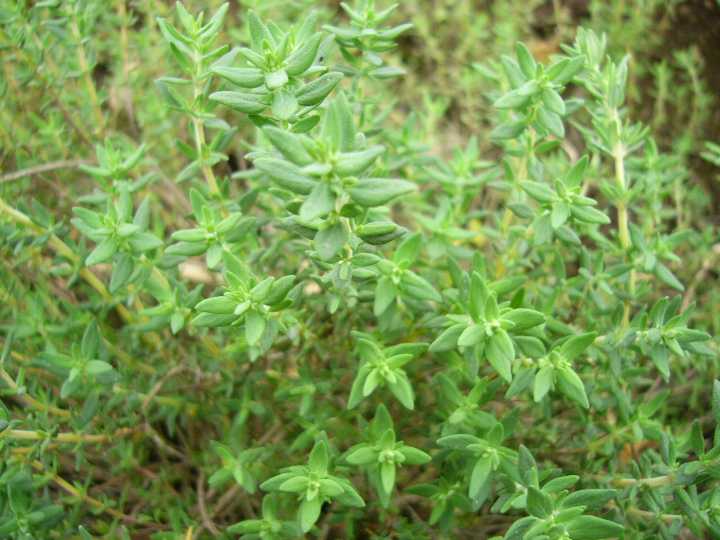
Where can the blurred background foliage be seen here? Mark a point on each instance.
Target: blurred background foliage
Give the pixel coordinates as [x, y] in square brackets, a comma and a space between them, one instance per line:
[77, 70]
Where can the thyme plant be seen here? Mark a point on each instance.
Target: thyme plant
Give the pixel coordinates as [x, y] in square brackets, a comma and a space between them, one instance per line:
[350, 335]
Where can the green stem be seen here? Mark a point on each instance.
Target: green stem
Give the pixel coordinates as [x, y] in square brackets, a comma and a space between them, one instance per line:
[199, 131]
[31, 435]
[28, 400]
[623, 220]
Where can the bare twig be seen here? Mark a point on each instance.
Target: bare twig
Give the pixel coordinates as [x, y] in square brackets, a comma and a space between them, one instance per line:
[45, 167]
[206, 519]
[708, 264]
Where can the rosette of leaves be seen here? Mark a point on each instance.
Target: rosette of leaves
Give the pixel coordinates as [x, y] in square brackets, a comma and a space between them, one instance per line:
[120, 235]
[24, 513]
[556, 513]
[488, 455]
[555, 370]
[269, 527]
[366, 34]
[330, 175]
[248, 301]
[535, 96]
[465, 410]
[489, 329]
[278, 66]
[383, 454]
[236, 466]
[446, 496]
[562, 206]
[662, 331]
[114, 163]
[464, 174]
[314, 485]
[397, 283]
[215, 233]
[383, 367]
[649, 256]
[174, 306]
[447, 235]
[84, 368]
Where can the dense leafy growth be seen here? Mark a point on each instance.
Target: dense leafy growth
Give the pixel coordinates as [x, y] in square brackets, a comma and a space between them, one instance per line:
[272, 305]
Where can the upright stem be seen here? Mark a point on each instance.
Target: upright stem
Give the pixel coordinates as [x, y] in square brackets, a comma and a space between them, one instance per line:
[199, 130]
[622, 216]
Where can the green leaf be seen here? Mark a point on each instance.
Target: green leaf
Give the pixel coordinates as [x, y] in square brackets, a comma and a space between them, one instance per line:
[302, 58]
[284, 104]
[221, 305]
[354, 163]
[289, 145]
[254, 327]
[414, 456]
[213, 320]
[479, 476]
[362, 456]
[512, 100]
[370, 192]
[588, 214]
[666, 276]
[385, 294]
[552, 122]
[539, 504]
[508, 130]
[97, 367]
[122, 270]
[387, 476]
[478, 296]
[330, 240]
[525, 60]
[540, 192]
[243, 77]
[276, 79]
[543, 382]
[560, 214]
[408, 250]
[308, 513]
[402, 390]
[320, 202]
[448, 340]
[571, 385]
[240, 101]
[358, 386]
[143, 241]
[553, 101]
[286, 175]
[418, 287]
[524, 319]
[316, 91]
[471, 335]
[319, 458]
[576, 345]
[296, 484]
[593, 528]
[103, 252]
[500, 353]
